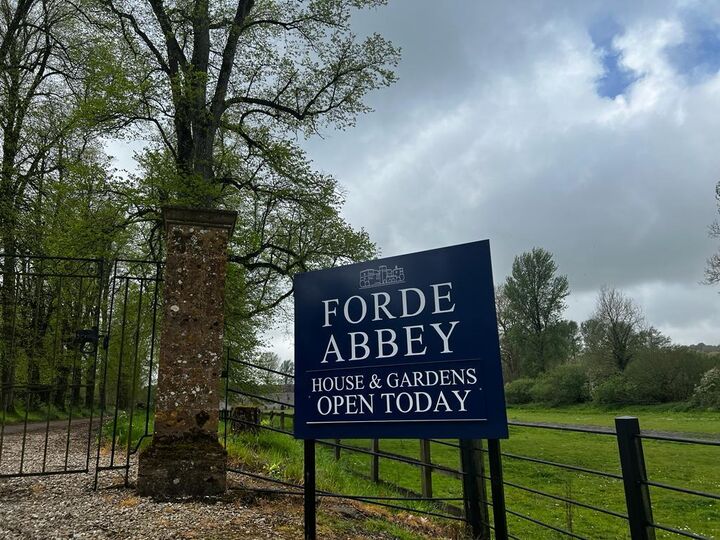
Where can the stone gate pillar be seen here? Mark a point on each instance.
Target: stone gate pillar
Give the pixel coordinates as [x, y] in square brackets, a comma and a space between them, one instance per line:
[185, 458]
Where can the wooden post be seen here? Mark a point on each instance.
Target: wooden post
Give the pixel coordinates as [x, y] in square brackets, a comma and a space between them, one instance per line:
[632, 462]
[282, 420]
[375, 462]
[498, 489]
[425, 471]
[474, 492]
[337, 450]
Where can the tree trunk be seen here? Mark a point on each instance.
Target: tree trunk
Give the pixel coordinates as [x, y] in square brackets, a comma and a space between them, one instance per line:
[61, 384]
[76, 382]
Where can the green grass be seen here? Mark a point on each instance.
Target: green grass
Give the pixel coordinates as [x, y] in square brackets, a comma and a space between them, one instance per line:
[281, 457]
[41, 414]
[691, 466]
[123, 429]
[652, 417]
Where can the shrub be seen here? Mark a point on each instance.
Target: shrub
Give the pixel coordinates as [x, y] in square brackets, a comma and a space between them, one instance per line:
[616, 390]
[707, 392]
[517, 392]
[666, 375]
[562, 385]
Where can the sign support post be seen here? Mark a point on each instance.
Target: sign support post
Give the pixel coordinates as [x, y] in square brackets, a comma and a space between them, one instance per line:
[309, 485]
[498, 491]
[474, 489]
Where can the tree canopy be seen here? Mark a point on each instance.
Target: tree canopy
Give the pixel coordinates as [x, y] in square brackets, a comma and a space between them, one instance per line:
[536, 300]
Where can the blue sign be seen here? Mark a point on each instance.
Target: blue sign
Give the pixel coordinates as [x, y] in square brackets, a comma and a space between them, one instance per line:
[402, 347]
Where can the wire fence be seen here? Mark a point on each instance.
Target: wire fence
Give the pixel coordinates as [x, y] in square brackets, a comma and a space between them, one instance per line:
[612, 501]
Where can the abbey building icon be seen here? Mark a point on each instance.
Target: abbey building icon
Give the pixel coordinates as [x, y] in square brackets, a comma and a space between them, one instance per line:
[382, 276]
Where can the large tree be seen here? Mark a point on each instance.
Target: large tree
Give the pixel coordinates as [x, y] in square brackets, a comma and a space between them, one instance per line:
[621, 322]
[536, 300]
[233, 80]
[228, 88]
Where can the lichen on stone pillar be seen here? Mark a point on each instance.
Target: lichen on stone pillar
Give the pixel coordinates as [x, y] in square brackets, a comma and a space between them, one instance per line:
[185, 458]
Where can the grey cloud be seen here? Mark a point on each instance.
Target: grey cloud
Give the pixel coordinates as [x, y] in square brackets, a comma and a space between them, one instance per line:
[495, 131]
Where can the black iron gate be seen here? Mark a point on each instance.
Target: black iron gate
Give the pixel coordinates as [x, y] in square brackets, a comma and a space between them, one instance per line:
[77, 341]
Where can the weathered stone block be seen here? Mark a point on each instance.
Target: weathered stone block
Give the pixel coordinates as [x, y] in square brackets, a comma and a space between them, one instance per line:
[245, 418]
[184, 467]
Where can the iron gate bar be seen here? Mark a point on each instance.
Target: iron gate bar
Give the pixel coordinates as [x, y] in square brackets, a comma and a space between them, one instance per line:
[49, 257]
[632, 463]
[121, 357]
[101, 274]
[497, 489]
[52, 274]
[78, 314]
[103, 397]
[394, 457]
[44, 473]
[132, 392]
[343, 496]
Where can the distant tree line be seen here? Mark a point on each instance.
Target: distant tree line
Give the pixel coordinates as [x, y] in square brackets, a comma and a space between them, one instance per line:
[614, 357]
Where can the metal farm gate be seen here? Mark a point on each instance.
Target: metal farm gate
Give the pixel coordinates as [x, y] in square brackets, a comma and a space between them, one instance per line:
[77, 348]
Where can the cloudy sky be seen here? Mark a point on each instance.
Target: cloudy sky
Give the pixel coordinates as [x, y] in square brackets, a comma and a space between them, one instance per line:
[591, 129]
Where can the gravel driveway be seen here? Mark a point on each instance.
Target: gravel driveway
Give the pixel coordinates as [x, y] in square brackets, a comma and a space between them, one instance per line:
[65, 506]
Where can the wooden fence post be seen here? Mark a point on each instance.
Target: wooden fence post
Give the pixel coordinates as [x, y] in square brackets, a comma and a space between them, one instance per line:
[282, 420]
[632, 462]
[337, 450]
[474, 492]
[375, 462]
[426, 471]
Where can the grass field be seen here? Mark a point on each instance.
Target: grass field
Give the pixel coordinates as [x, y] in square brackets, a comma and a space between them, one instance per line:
[690, 466]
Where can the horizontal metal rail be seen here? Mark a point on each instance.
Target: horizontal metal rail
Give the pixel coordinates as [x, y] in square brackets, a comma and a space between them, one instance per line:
[386, 455]
[261, 398]
[366, 499]
[680, 532]
[445, 443]
[566, 500]
[51, 274]
[682, 490]
[44, 473]
[595, 431]
[562, 465]
[546, 525]
[688, 440]
[392, 457]
[50, 257]
[243, 362]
